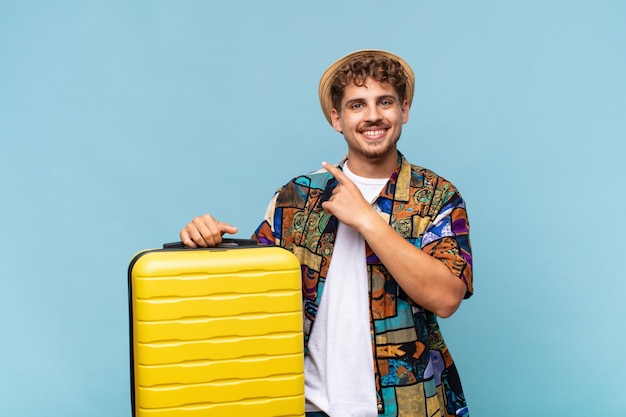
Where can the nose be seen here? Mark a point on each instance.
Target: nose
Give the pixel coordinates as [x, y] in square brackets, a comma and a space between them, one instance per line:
[373, 114]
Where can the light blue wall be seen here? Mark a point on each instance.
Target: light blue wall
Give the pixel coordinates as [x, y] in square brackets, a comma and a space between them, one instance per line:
[119, 121]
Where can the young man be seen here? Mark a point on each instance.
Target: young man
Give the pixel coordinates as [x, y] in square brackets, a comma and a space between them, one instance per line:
[384, 247]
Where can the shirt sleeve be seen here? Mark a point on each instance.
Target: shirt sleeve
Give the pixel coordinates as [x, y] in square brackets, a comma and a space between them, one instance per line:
[266, 234]
[447, 239]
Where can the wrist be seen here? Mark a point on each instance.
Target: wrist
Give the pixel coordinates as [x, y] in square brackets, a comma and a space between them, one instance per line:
[370, 223]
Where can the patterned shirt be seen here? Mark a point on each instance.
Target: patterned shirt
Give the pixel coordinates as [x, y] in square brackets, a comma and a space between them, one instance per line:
[415, 373]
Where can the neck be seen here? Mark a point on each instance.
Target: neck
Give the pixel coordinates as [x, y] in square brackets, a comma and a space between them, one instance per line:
[374, 168]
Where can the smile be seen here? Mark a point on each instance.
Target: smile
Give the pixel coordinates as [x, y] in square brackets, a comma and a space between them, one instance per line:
[373, 133]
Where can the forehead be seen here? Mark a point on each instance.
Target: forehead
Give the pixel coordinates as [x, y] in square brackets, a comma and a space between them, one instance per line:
[371, 89]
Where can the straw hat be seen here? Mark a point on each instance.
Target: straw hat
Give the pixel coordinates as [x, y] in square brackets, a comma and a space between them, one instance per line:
[326, 100]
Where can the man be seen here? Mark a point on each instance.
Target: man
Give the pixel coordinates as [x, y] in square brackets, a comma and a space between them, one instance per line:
[384, 247]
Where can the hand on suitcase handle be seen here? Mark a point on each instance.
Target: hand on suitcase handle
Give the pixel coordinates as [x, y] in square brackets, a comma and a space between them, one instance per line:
[205, 231]
[226, 242]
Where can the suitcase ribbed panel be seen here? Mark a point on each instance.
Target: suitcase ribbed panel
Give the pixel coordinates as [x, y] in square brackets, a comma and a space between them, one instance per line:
[217, 333]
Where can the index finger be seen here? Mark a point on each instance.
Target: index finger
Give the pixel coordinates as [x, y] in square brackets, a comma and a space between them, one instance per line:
[337, 173]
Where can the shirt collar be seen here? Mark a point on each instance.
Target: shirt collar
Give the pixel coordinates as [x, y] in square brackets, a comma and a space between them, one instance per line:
[403, 179]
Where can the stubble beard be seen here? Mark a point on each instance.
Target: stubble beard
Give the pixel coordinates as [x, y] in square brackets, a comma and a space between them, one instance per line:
[379, 153]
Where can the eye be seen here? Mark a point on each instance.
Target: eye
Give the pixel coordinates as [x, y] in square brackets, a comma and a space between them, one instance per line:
[357, 106]
[385, 103]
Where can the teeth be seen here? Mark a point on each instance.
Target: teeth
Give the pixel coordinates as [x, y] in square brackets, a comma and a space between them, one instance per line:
[373, 132]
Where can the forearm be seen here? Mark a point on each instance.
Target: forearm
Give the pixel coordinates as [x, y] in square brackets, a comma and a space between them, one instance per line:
[426, 280]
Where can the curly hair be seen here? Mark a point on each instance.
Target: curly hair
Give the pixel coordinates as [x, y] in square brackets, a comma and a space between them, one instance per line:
[380, 68]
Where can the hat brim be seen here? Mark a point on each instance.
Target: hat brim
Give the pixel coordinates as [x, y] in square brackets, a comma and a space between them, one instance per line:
[325, 96]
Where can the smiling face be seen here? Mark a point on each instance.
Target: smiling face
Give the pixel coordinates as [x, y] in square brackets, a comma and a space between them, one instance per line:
[370, 118]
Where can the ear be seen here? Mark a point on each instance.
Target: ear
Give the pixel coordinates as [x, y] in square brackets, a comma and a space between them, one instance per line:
[335, 117]
[405, 111]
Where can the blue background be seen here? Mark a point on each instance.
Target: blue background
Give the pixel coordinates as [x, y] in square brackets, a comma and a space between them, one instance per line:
[121, 120]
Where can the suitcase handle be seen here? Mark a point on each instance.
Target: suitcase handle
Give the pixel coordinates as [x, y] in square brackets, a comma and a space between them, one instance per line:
[226, 243]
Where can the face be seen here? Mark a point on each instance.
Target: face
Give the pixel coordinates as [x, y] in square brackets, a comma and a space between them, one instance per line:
[371, 119]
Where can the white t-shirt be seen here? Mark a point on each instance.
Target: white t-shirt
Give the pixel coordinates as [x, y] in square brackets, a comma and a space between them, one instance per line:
[339, 371]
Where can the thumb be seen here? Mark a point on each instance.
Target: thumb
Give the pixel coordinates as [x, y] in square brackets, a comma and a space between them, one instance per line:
[227, 228]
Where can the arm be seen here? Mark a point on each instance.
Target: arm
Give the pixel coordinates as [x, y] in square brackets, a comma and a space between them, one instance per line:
[425, 279]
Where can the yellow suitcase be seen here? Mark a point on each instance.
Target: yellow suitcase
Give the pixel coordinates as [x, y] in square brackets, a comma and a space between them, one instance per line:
[216, 332]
